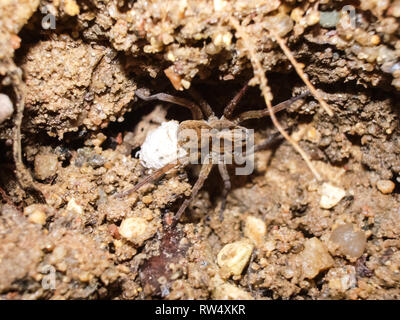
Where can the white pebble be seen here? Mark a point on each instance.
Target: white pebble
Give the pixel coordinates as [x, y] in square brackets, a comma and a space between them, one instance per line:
[255, 229]
[136, 230]
[385, 186]
[234, 257]
[161, 146]
[36, 213]
[329, 19]
[342, 279]
[6, 107]
[314, 258]
[45, 165]
[350, 242]
[74, 207]
[330, 196]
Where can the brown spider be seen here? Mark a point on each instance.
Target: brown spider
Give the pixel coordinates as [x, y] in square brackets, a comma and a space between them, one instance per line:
[223, 128]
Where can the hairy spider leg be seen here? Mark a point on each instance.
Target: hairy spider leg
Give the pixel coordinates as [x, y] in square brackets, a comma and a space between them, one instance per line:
[257, 114]
[227, 187]
[230, 108]
[204, 172]
[153, 177]
[194, 108]
[205, 107]
[271, 140]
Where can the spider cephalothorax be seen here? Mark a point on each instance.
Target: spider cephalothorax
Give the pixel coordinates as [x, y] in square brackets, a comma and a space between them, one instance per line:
[215, 140]
[209, 140]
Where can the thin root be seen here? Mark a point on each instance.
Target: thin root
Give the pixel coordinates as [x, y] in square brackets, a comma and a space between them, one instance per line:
[23, 175]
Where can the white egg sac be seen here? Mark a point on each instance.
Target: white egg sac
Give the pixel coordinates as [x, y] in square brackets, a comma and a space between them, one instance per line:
[6, 107]
[161, 146]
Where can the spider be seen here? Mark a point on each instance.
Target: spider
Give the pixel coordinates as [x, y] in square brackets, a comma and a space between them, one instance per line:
[223, 128]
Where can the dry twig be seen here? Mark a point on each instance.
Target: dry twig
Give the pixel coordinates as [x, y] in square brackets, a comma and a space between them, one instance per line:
[266, 91]
[23, 175]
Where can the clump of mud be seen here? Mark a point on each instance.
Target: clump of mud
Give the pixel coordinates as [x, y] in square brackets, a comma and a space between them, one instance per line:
[284, 234]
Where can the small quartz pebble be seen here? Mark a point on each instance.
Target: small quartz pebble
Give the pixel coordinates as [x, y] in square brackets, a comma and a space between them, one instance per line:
[342, 279]
[74, 207]
[314, 258]
[6, 107]
[175, 79]
[351, 243]
[255, 229]
[71, 7]
[36, 213]
[330, 196]
[329, 19]
[136, 230]
[385, 186]
[234, 257]
[147, 199]
[45, 165]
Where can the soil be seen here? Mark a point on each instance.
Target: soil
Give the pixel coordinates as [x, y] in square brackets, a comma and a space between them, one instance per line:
[288, 233]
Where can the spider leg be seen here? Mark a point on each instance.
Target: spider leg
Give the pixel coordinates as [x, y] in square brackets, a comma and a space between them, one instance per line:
[150, 178]
[228, 111]
[270, 141]
[227, 187]
[257, 114]
[204, 172]
[205, 107]
[194, 108]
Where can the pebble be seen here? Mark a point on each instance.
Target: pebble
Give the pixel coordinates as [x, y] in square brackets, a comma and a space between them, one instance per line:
[71, 8]
[351, 243]
[396, 83]
[233, 257]
[136, 230]
[385, 186]
[329, 19]
[314, 258]
[313, 17]
[6, 107]
[255, 229]
[342, 279]
[45, 166]
[174, 78]
[85, 276]
[36, 213]
[281, 23]
[74, 207]
[147, 199]
[330, 196]
[297, 14]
